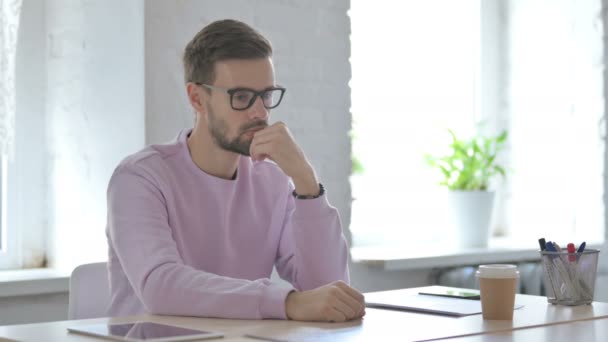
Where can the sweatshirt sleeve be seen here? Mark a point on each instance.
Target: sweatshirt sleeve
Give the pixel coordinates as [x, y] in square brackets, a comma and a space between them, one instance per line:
[313, 250]
[141, 237]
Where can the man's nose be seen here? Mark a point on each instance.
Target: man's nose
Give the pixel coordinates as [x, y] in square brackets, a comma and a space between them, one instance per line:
[257, 109]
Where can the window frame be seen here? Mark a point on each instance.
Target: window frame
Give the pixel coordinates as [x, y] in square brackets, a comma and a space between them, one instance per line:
[25, 208]
[10, 252]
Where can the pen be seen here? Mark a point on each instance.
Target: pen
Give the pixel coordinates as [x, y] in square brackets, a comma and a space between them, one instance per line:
[563, 270]
[548, 246]
[542, 243]
[556, 246]
[571, 251]
[581, 248]
[567, 288]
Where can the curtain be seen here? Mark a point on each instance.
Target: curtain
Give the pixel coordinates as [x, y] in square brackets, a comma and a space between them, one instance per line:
[9, 27]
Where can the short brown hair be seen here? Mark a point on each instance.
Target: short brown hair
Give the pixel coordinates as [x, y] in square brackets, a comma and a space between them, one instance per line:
[218, 41]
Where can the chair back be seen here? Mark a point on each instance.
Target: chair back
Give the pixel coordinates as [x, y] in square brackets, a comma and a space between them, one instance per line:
[89, 291]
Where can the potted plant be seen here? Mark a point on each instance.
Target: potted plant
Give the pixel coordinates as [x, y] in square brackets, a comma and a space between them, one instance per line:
[467, 171]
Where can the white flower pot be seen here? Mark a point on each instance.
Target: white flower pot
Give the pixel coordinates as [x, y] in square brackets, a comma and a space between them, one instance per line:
[471, 214]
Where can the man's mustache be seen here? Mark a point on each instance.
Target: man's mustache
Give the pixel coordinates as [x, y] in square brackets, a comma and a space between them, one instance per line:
[254, 124]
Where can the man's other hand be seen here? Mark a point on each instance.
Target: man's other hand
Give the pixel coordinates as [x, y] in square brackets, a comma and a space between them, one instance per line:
[335, 302]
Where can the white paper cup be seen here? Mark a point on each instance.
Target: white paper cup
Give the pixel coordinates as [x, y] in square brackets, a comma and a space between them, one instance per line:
[497, 285]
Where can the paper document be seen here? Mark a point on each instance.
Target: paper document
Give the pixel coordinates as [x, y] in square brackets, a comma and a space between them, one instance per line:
[406, 301]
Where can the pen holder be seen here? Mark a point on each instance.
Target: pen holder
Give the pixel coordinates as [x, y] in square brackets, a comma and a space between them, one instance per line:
[570, 277]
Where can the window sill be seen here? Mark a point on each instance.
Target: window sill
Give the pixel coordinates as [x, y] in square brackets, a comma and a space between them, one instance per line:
[32, 282]
[428, 257]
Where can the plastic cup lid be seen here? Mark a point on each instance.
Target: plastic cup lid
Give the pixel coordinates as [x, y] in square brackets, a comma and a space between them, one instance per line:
[497, 271]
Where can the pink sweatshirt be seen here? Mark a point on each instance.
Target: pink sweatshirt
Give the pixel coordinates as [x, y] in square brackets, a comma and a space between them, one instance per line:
[182, 242]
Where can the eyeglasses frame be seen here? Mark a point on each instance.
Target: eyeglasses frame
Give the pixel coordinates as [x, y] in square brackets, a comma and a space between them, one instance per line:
[256, 94]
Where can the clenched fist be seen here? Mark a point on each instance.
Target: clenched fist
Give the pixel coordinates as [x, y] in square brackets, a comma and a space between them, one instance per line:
[336, 302]
[276, 143]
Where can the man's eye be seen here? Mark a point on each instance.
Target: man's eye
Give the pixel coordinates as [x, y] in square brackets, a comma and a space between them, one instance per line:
[242, 96]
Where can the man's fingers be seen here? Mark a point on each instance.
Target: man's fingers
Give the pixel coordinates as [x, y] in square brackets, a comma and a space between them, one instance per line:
[361, 314]
[346, 309]
[270, 132]
[354, 305]
[336, 316]
[355, 296]
[259, 151]
[351, 291]
[264, 136]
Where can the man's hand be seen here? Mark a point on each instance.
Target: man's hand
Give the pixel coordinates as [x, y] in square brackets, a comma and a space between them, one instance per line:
[276, 143]
[336, 302]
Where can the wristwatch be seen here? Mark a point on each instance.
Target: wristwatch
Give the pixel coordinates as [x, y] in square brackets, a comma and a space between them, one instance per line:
[321, 192]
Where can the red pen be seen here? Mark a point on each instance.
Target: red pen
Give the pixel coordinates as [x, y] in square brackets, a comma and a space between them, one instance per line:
[571, 251]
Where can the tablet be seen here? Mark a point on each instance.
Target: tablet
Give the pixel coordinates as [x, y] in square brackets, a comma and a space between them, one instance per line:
[143, 331]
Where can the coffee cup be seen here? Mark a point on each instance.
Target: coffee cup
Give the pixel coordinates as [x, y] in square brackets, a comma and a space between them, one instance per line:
[497, 285]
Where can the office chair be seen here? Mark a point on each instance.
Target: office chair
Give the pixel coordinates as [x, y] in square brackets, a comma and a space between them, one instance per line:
[89, 291]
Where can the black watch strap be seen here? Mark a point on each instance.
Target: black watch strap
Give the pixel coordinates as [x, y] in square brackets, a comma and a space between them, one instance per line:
[321, 192]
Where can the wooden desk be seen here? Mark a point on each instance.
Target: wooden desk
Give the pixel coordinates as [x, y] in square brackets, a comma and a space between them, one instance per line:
[588, 331]
[377, 325]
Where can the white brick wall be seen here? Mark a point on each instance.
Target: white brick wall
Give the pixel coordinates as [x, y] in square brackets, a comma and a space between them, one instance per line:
[312, 50]
[94, 116]
[602, 282]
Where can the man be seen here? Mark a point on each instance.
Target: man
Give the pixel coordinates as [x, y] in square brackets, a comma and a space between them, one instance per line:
[195, 226]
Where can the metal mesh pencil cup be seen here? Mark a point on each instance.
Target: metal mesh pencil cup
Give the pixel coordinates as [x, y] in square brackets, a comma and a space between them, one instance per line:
[570, 277]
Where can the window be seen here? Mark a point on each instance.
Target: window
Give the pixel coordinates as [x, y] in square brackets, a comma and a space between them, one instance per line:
[554, 105]
[7, 239]
[422, 67]
[68, 98]
[2, 205]
[24, 176]
[9, 25]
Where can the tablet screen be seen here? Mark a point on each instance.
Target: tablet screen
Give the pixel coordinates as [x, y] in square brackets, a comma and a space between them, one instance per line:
[144, 331]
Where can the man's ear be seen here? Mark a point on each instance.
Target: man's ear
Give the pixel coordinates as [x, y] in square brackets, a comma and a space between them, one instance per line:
[196, 97]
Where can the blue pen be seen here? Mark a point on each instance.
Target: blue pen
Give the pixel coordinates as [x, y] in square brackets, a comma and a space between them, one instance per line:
[549, 265]
[581, 248]
[551, 248]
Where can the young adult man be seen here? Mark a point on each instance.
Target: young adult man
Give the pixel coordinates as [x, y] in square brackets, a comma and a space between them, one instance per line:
[195, 226]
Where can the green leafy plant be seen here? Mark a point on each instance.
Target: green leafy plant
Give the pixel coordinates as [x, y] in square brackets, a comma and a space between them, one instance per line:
[356, 165]
[471, 164]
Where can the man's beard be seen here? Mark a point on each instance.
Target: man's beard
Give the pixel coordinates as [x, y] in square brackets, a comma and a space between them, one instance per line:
[219, 129]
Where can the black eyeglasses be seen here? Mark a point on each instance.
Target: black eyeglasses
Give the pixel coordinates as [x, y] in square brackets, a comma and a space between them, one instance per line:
[243, 98]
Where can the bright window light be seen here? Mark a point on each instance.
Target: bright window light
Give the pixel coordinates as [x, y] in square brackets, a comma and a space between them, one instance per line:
[419, 68]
